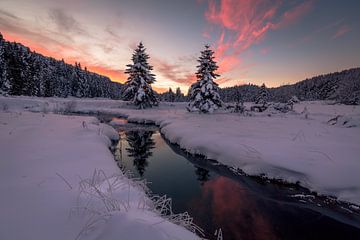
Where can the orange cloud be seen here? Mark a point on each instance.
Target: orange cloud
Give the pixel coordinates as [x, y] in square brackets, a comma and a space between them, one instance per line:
[160, 89]
[31, 44]
[113, 74]
[228, 62]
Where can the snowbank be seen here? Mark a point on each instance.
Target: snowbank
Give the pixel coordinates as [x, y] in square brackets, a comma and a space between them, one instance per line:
[322, 157]
[293, 147]
[49, 189]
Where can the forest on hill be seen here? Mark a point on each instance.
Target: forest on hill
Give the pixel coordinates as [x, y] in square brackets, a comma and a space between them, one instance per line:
[25, 72]
[343, 87]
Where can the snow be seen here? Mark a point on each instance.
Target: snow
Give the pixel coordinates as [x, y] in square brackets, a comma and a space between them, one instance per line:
[203, 94]
[48, 180]
[291, 146]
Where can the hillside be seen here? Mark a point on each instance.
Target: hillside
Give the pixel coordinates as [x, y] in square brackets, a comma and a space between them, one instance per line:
[341, 86]
[24, 72]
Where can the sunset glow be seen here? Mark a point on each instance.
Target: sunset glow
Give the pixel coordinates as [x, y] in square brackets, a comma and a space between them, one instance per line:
[271, 42]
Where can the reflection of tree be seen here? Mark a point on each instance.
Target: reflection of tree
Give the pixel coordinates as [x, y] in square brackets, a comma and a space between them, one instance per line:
[140, 145]
[202, 175]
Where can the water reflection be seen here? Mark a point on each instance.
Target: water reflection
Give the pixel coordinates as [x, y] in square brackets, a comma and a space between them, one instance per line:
[217, 198]
[140, 148]
[233, 209]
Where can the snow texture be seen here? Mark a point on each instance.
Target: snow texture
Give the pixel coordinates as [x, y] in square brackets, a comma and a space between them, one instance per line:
[138, 86]
[203, 95]
[51, 190]
[296, 146]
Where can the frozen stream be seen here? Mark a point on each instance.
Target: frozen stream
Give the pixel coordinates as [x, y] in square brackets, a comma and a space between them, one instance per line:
[216, 197]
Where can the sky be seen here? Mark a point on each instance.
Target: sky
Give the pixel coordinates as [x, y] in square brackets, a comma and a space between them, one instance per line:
[275, 42]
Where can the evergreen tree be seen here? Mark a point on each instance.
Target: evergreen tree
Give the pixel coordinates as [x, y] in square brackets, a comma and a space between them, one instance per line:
[179, 96]
[171, 95]
[204, 96]
[4, 81]
[16, 73]
[263, 95]
[24, 72]
[30, 85]
[138, 86]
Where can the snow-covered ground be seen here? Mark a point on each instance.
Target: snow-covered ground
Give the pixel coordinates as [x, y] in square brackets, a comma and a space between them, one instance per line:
[293, 147]
[58, 180]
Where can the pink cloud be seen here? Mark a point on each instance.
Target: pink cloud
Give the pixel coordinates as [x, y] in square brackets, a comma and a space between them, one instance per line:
[292, 15]
[342, 30]
[174, 72]
[244, 23]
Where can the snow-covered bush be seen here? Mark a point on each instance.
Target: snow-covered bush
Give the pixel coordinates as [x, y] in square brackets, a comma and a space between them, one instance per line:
[290, 104]
[280, 107]
[203, 94]
[258, 108]
[294, 99]
[138, 88]
[238, 107]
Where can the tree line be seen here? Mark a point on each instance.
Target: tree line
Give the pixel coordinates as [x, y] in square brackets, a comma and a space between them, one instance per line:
[343, 87]
[25, 72]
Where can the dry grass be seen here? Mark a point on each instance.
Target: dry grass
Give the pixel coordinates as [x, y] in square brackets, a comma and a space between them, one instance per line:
[98, 202]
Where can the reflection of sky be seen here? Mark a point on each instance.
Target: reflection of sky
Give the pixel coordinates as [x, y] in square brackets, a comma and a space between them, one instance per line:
[232, 209]
[275, 42]
[243, 208]
[221, 200]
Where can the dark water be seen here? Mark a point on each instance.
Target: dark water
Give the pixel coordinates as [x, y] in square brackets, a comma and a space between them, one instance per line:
[216, 197]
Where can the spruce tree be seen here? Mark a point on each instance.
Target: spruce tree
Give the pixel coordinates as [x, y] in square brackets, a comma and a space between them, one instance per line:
[178, 95]
[203, 94]
[4, 81]
[138, 86]
[171, 95]
[263, 95]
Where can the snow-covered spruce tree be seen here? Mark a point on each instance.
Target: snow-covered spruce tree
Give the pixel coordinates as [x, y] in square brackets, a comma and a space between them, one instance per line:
[138, 86]
[4, 82]
[263, 95]
[204, 93]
